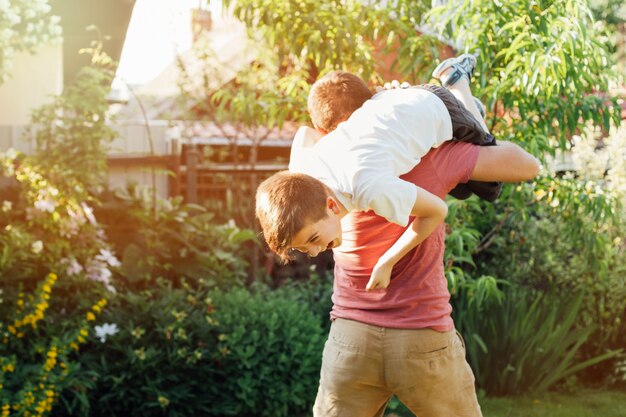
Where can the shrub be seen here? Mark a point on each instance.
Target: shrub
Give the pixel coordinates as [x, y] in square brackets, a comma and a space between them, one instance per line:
[194, 352]
[172, 240]
[561, 245]
[522, 341]
[275, 349]
[36, 355]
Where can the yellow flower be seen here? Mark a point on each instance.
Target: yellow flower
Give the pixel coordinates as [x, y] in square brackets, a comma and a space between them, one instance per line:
[74, 345]
[141, 354]
[8, 368]
[90, 316]
[163, 401]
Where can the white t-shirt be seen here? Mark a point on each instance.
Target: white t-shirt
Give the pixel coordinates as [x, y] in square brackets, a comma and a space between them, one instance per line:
[361, 161]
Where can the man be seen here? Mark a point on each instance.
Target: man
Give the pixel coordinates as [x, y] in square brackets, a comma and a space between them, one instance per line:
[401, 340]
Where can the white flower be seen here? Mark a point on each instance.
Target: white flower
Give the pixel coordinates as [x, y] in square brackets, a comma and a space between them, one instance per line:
[44, 205]
[7, 205]
[74, 268]
[105, 330]
[36, 246]
[89, 214]
[108, 257]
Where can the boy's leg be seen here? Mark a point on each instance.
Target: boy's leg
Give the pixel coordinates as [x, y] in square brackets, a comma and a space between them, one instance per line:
[466, 128]
[455, 74]
[352, 376]
[461, 90]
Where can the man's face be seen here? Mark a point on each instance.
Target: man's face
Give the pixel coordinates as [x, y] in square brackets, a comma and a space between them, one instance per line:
[317, 237]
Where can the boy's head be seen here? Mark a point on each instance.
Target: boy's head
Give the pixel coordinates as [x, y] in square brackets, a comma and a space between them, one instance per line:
[297, 212]
[334, 97]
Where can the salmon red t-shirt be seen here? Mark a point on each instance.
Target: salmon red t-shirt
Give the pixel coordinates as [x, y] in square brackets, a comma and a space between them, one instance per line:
[418, 295]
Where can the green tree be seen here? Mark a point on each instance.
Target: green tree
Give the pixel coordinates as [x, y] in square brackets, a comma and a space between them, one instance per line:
[545, 69]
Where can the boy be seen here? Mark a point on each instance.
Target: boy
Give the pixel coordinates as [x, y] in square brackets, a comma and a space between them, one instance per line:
[369, 143]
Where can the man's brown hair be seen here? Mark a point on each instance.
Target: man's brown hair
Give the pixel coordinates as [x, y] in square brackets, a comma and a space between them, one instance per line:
[285, 203]
[334, 97]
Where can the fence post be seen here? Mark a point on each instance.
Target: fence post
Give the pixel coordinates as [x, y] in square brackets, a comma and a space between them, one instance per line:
[174, 166]
[192, 157]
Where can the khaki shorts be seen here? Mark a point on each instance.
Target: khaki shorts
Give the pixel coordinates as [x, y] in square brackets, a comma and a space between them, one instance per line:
[363, 365]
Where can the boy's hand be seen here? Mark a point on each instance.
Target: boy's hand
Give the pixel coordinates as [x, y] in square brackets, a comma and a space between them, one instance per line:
[381, 276]
[394, 84]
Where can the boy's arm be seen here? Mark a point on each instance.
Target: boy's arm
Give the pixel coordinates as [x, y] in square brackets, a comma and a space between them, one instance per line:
[429, 211]
[505, 162]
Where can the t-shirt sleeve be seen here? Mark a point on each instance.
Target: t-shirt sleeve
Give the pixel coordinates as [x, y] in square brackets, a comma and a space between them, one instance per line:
[388, 196]
[455, 162]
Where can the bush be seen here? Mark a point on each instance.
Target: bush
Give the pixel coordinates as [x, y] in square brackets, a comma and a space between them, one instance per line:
[198, 352]
[172, 240]
[275, 349]
[37, 354]
[522, 341]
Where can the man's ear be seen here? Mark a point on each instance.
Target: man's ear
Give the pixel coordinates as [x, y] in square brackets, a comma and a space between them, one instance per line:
[332, 205]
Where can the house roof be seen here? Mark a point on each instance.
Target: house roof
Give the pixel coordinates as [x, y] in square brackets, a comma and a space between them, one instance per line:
[232, 51]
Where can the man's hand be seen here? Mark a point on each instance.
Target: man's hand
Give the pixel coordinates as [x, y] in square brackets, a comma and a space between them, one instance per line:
[381, 276]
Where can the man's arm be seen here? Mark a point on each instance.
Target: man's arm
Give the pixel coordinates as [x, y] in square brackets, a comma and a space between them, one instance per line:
[505, 162]
[429, 211]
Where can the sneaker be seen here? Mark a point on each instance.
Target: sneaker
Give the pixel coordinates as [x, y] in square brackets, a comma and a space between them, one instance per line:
[462, 66]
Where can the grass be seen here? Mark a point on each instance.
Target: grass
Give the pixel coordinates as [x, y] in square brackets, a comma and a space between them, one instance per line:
[580, 404]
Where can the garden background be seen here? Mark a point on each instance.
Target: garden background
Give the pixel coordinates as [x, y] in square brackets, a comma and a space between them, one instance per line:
[120, 301]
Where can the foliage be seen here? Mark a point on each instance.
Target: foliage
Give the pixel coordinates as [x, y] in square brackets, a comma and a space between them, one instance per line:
[36, 364]
[324, 35]
[542, 252]
[72, 132]
[47, 224]
[47, 227]
[611, 11]
[542, 66]
[314, 291]
[175, 241]
[249, 353]
[24, 25]
[274, 346]
[524, 342]
[159, 350]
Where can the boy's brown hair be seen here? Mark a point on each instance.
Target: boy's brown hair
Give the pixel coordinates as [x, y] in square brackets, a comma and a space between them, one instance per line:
[334, 97]
[285, 203]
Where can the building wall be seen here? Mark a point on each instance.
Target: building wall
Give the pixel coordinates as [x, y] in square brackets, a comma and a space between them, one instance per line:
[35, 78]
